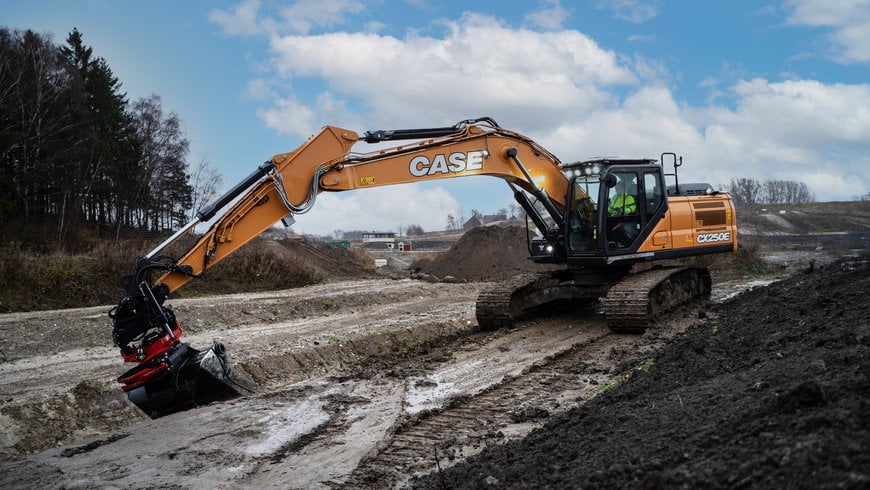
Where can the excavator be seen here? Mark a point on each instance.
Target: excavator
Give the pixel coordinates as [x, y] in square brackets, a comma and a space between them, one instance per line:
[625, 230]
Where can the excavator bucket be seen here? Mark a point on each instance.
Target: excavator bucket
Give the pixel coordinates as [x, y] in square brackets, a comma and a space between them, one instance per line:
[183, 378]
[170, 375]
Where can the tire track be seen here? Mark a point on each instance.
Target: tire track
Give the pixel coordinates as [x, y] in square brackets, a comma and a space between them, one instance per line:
[467, 425]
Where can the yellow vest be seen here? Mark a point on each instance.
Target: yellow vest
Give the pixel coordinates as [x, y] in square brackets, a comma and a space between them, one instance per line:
[622, 204]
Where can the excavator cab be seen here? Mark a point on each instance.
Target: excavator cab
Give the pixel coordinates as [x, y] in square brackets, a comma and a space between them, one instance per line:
[612, 204]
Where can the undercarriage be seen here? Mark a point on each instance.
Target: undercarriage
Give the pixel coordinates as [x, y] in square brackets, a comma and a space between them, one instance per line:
[631, 304]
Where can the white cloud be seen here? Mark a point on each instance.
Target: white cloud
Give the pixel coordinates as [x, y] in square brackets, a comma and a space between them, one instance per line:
[577, 99]
[289, 116]
[240, 21]
[848, 20]
[806, 112]
[648, 122]
[301, 16]
[380, 209]
[635, 11]
[260, 89]
[806, 131]
[800, 130]
[550, 16]
[480, 66]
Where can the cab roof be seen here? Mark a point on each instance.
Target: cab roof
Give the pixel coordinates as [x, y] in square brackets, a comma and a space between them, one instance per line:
[608, 161]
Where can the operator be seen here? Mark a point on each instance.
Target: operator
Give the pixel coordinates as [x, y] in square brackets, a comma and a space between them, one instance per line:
[622, 203]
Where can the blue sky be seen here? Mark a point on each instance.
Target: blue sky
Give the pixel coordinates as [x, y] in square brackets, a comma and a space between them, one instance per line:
[762, 89]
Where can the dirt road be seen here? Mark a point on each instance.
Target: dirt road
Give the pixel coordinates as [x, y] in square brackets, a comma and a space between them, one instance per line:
[363, 383]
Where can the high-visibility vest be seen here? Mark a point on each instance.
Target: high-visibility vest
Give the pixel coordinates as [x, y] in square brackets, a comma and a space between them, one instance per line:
[622, 204]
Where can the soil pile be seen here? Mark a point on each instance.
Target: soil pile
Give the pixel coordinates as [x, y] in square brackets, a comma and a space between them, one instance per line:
[268, 265]
[326, 261]
[485, 253]
[772, 392]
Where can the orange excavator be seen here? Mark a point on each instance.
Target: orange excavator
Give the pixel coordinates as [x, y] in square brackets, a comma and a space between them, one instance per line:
[622, 227]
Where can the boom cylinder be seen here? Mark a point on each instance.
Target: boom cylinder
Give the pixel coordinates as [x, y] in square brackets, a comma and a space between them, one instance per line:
[539, 193]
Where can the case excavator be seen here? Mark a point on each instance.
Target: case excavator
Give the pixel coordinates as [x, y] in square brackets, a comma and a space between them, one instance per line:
[622, 228]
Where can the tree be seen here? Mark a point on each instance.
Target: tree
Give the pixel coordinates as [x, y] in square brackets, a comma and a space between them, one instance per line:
[205, 184]
[107, 150]
[167, 197]
[71, 151]
[745, 191]
[451, 222]
[36, 124]
[414, 230]
[460, 219]
[751, 191]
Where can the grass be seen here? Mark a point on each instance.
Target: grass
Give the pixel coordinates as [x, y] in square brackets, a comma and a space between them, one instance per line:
[748, 259]
[55, 279]
[643, 367]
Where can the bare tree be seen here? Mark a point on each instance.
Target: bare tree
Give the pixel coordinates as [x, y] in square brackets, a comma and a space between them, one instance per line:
[451, 222]
[206, 181]
[164, 152]
[771, 191]
[745, 191]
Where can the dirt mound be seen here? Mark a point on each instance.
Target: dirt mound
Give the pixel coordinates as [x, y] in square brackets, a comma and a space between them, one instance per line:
[269, 265]
[486, 253]
[326, 261]
[774, 392]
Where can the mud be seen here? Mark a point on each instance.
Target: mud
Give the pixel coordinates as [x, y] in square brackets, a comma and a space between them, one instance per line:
[360, 422]
[773, 391]
[377, 383]
[363, 384]
[62, 389]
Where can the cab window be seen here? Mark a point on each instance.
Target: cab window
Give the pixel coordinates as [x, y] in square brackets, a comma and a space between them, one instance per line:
[654, 195]
[583, 217]
[623, 211]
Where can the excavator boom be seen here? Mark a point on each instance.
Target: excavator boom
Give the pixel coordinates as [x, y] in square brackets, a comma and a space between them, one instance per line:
[288, 184]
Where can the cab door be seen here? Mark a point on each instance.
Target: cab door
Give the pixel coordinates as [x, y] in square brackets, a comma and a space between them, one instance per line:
[581, 232]
[631, 206]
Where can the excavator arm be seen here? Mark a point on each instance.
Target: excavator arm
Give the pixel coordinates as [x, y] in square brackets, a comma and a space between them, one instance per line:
[288, 184]
[170, 375]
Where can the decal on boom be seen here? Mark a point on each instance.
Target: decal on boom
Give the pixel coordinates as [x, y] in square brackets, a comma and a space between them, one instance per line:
[456, 162]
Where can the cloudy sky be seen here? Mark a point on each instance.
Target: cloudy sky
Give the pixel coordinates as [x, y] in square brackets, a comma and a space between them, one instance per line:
[743, 88]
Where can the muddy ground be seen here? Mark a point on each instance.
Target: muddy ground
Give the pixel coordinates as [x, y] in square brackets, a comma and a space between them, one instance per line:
[352, 383]
[771, 391]
[374, 383]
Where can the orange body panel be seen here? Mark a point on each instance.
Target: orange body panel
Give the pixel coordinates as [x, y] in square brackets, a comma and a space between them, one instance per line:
[697, 221]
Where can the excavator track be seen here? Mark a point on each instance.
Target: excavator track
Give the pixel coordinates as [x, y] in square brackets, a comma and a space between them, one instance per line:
[633, 304]
[504, 302]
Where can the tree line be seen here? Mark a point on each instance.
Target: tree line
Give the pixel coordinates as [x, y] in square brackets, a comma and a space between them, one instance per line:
[75, 152]
[772, 191]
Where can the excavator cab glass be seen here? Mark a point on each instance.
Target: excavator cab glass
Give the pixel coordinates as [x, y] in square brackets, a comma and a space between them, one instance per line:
[623, 223]
[633, 204]
[582, 220]
[613, 203]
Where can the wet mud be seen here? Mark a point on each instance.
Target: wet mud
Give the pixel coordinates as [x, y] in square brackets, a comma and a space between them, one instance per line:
[771, 391]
